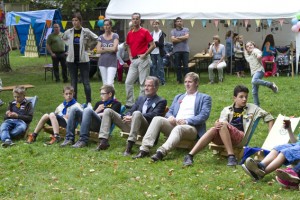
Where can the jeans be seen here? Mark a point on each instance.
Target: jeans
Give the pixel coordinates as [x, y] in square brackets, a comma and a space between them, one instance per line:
[60, 58]
[12, 127]
[84, 69]
[88, 119]
[157, 68]
[181, 59]
[256, 81]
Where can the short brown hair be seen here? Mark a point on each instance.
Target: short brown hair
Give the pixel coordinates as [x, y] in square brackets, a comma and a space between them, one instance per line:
[19, 90]
[68, 87]
[194, 76]
[78, 16]
[109, 89]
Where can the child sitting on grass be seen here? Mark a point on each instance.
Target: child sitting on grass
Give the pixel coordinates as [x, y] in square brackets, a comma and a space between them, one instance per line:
[58, 118]
[281, 154]
[17, 117]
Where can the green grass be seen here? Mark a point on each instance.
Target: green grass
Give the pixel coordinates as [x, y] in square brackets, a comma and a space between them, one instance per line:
[39, 172]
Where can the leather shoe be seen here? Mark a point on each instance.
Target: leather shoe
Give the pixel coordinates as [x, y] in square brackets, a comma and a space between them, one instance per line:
[141, 154]
[158, 156]
[103, 145]
[129, 146]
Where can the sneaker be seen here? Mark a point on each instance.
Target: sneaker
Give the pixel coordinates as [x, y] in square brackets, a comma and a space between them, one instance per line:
[274, 88]
[54, 139]
[232, 162]
[287, 184]
[89, 105]
[188, 160]
[67, 143]
[31, 138]
[158, 156]
[7, 143]
[288, 174]
[79, 144]
[251, 168]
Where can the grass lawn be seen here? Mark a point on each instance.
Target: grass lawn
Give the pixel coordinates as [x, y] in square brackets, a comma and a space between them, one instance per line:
[48, 172]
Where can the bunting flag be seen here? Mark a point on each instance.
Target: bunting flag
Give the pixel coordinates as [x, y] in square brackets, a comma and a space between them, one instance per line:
[151, 22]
[246, 21]
[228, 22]
[216, 22]
[281, 22]
[269, 22]
[48, 23]
[92, 23]
[32, 22]
[234, 22]
[64, 24]
[192, 22]
[17, 17]
[163, 22]
[257, 21]
[203, 21]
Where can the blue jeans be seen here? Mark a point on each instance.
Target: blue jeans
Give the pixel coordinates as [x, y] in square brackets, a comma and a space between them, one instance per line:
[157, 68]
[12, 127]
[181, 59]
[88, 119]
[84, 69]
[256, 82]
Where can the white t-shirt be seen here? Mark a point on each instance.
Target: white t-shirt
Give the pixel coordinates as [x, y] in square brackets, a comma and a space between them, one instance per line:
[156, 39]
[187, 107]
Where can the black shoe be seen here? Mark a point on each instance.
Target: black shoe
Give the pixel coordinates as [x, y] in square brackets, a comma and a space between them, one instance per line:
[158, 156]
[141, 154]
[67, 143]
[128, 107]
[128, 151]
[103, 145]
[79, 144]
[188, 160]
[232, 162]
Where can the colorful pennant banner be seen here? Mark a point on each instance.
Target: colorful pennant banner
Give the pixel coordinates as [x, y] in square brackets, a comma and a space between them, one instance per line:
[17, 17]
[163, 22]
[203, 21]
[257, 21]
[92, 23]
[64, 24]
[192, 22]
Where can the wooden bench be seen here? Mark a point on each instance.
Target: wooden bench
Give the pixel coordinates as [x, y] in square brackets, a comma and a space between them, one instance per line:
[7, 88]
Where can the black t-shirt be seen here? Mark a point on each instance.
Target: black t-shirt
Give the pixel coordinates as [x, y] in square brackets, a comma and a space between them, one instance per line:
[76, 43]
[237, 120]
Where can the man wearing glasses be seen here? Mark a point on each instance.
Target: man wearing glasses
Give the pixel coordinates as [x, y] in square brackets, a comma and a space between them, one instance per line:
[137, 120]
[140, 44]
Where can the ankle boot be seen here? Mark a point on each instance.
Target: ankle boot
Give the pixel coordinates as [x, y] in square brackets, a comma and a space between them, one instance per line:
[128, 148]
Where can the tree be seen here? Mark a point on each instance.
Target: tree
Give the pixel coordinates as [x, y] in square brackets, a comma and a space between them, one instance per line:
[4, 46]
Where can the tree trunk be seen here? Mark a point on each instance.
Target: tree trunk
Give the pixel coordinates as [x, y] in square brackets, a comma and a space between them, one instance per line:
[4, 50]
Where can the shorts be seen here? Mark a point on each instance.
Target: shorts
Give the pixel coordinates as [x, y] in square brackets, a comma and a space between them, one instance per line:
[235, 134]
[61, 121]
[291, 152]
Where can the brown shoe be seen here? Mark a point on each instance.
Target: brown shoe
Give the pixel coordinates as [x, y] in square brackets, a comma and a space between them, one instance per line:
[54, 139]
[103, 145]
[31, 138]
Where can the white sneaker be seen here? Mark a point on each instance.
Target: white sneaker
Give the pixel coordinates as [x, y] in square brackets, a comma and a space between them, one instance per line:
[89, 105]
[274, 88]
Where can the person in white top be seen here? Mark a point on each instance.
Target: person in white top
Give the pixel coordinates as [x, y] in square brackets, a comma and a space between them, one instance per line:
[157, 54]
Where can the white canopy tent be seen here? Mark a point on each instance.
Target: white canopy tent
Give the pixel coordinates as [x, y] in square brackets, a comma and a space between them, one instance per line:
[199, 9]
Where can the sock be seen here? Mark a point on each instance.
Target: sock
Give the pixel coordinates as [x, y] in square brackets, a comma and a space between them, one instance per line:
[231, 155]
[191, 155]
[56, 135]
[261, 166]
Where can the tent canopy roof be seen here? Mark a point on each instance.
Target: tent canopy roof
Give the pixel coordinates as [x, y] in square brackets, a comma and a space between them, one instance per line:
[200, 9]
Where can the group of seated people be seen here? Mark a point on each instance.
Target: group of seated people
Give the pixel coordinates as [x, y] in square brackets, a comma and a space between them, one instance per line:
[185, 120]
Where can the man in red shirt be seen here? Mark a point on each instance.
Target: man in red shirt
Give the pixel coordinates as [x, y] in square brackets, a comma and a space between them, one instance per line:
[140, 44]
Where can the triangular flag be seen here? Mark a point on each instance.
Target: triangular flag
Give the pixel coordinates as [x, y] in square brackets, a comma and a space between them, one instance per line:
[216, 22]
[234, 22]
[228, 22]
[246, 21]
[203, 21]
[257, 21]
[269, 22]
[92, 23]
[17, 17]
[163, 22]
[64, 24]
[192, 22]
[281, 22]
[48, 23]
[151, 22]
[32, 21]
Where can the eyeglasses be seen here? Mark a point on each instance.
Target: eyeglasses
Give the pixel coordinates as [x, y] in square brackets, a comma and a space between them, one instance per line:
[103, 93]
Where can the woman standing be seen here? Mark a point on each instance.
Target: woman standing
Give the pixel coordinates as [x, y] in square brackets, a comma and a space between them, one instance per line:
[79, 39]
[268, 49]
[253, 57]
[108, 46]
[216, 50]
[239, 55]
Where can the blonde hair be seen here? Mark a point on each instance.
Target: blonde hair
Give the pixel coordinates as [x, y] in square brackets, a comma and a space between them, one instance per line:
[19, 90]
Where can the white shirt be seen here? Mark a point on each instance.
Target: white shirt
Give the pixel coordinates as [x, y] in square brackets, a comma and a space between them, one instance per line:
[155, 39]
[187, 107]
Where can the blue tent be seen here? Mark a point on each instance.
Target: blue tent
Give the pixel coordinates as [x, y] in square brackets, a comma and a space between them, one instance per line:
[38, 21]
